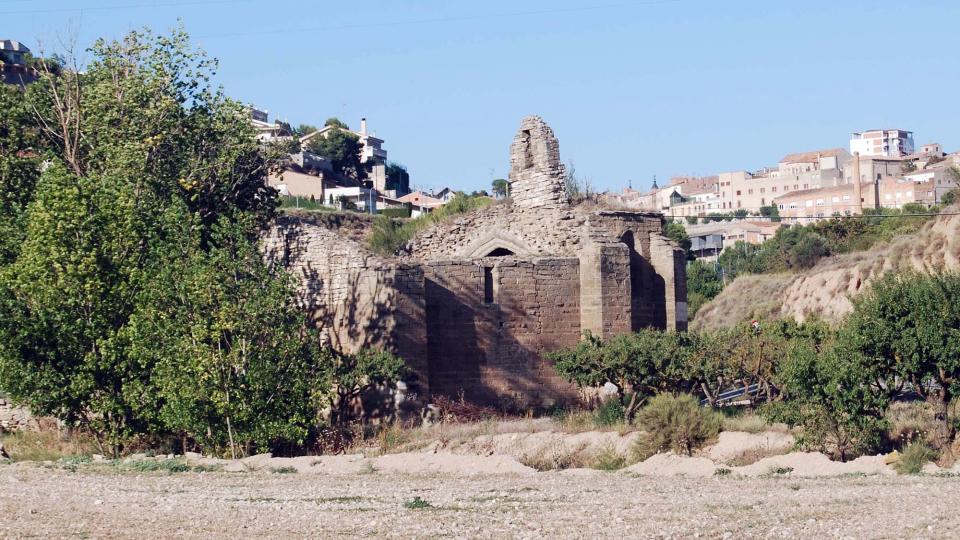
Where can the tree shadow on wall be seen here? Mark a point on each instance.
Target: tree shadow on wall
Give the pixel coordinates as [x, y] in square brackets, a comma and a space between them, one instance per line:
[489, 353]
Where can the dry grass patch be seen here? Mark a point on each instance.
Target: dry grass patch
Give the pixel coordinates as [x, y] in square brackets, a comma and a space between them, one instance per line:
[747, 423]
[47, 444]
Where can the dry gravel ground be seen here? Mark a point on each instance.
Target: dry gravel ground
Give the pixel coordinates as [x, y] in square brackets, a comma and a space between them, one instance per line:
[104, 502]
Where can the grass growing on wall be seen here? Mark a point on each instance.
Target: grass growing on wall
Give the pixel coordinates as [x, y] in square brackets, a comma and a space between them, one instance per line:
[389, 234]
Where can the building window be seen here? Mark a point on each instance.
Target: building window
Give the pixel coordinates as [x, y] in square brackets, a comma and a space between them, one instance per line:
[835, 199]
[846, 197]
[749, 192]
[487, 284]
[773, 189]
[738, 192]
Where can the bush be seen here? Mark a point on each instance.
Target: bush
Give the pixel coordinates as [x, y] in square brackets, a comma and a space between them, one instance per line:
[609, 413]
[608, 459]
[403, 212]
[675, 423]
[913, 458]
[388, 235]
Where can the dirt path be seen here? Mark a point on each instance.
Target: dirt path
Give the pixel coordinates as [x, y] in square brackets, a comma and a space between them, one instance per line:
[97, 503]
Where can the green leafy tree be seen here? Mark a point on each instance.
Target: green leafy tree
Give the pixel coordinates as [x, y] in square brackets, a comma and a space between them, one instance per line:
[828, 395]
[303, 129]
[500, 187]
[771, 212]
[350, 376]
[335, 122]
[905, 329]
[398, 178]
[342, 148]
[20, 157]
[638, 365]
[141, 131]
[949, 197]
[703, 284]
[676, 232]
[230, 366]
[63, 302]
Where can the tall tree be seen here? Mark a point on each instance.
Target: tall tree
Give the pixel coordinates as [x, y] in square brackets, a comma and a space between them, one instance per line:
[500, 187]
[342, 148]
[138, 132]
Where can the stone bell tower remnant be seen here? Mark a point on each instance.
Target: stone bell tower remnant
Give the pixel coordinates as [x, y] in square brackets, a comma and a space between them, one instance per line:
[536, 173]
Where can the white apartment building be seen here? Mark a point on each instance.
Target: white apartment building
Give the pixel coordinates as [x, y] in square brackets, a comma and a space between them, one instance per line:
[372, 154]
[882, 142]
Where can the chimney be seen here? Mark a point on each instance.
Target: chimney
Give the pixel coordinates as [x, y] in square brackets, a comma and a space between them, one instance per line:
[857, 188]
[363, 126]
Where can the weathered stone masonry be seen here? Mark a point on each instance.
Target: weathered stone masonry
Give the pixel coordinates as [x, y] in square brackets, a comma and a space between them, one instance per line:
[473, 304]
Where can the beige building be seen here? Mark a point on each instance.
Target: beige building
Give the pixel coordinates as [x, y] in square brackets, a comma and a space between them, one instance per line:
[810, 205]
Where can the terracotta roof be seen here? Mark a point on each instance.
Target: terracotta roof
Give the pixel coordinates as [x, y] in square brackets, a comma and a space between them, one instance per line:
[421, 198]
[810, 157]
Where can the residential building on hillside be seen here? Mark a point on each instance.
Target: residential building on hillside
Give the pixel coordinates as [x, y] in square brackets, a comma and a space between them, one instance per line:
[420, 198]
[942, 176]
[817, 160]
[874, 168]
[710, 239]
[882, 142]
[812, 204]
[744, 190]
[14, 63]
[372, 153]
[931, 148]
[266, 131]
[446, 194]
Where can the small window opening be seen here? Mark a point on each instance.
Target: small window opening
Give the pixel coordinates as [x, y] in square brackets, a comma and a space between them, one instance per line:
[487, 284]
[500, 252]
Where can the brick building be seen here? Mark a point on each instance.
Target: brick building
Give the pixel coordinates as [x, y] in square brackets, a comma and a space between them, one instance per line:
[473, 304]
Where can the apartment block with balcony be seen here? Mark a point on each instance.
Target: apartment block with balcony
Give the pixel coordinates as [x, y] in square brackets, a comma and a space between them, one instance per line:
[882, 142]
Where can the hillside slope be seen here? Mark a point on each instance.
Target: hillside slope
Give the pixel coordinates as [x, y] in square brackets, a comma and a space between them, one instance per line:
[826, 289]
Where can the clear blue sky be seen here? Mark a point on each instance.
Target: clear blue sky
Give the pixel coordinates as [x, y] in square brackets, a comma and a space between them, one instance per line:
[632, 89]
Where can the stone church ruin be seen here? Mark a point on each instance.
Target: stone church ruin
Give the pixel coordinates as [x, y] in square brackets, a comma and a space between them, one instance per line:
[474, 303]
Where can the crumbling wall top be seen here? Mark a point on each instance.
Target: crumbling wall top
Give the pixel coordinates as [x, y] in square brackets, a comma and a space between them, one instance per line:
[536, 173]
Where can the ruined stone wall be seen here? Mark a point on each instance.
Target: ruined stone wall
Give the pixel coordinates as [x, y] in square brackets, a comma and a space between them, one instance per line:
[536, 174]
[527, 232]
[493, 351]
[355, 298]
[13, 418]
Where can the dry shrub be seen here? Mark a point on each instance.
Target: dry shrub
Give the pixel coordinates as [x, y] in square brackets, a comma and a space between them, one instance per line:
[608, 459]
[461, 410]
[747, 423]
[753, 455]
[910, 422]
[47, 444]
[559, 457]
[913, 458]
[675, 423]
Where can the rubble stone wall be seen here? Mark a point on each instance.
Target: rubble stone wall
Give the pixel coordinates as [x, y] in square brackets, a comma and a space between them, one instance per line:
[14, 418]
[355, 298]
[493, 351]
[537, 176]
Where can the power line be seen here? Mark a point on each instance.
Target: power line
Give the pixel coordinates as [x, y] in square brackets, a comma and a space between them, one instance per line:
[116, 7]
[459, 18]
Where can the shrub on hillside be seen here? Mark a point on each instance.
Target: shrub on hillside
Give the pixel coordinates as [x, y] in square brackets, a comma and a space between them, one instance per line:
[675, 423]
[913, 458]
